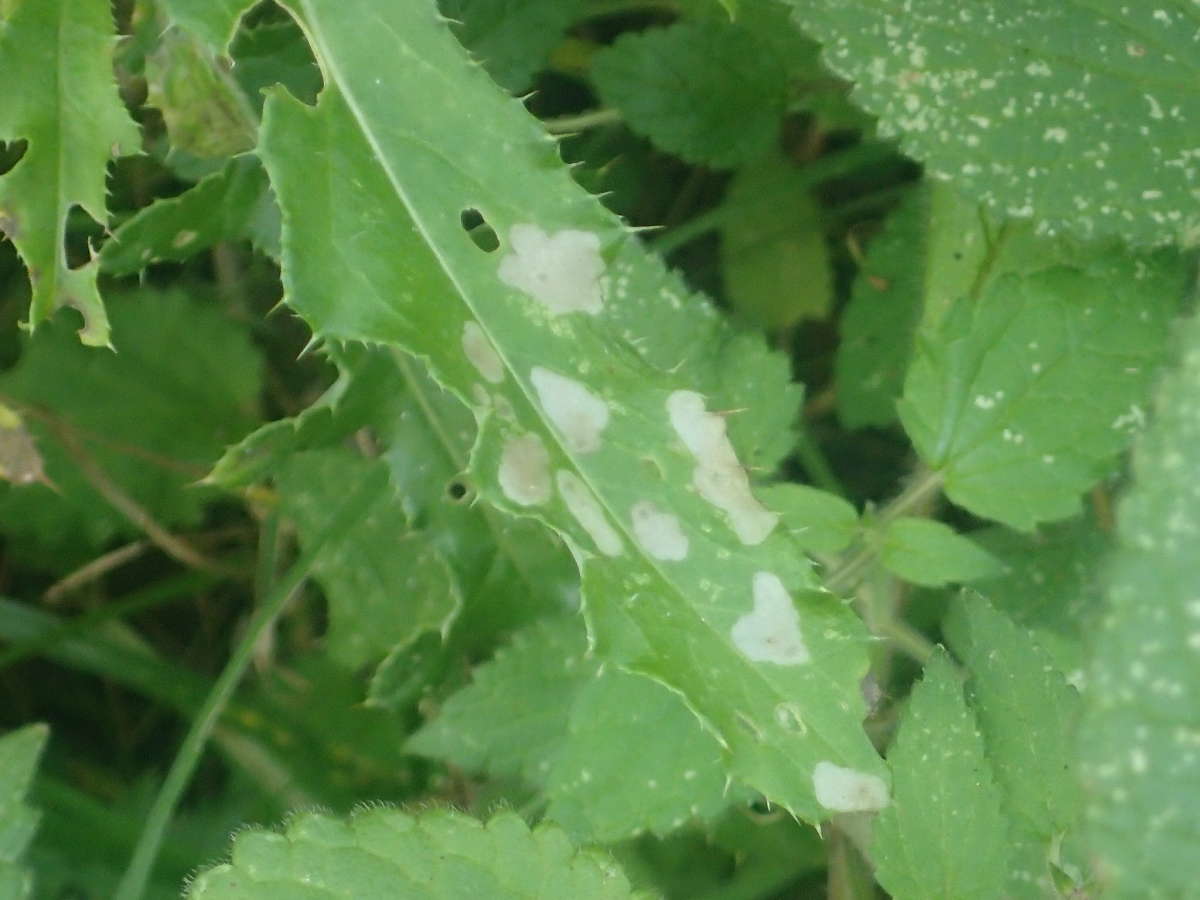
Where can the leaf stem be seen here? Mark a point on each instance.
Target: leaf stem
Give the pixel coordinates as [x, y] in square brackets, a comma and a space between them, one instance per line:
[137, 874]
[833, 165]
[919, 491]
[582, 121]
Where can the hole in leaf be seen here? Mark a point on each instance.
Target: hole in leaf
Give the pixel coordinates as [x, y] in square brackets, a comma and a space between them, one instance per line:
[83, 233]
[458, 491]
[11, 153]
[481, 233]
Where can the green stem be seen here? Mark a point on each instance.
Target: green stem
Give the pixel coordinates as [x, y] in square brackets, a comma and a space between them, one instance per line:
[137, 874]
[919, 491]
[582, 121]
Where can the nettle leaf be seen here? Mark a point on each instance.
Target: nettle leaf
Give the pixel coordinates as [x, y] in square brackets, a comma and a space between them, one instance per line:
[709, 93]
[232, 204]
[19, 753]
[592, 373]
[945, 835]
[512, 38]
[1141, 726]
[153, 417]
[932, 553]
[1024, 394]
[54, 50]
[545, 710]
[1051, 584]
[384, 853]
[1027, 711]
[816, 520]
[773, 251]
[1079, 115]
[385, 583]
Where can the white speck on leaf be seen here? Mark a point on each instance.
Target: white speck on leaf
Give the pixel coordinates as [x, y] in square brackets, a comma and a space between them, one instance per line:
[560, 270]
[719, 477]
[658, 532]
[579, 415]
[771, 631]
[525, 470]
[587, 512]
[848, 790]
[481, 354]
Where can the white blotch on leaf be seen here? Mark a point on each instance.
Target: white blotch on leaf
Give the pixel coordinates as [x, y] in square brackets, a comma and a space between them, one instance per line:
[525, 470]
[481, 354]
[771, 631]
[587, 512]
[579, 415]
[560, 270]
[719, 477]
[658, 532]
[848, 790]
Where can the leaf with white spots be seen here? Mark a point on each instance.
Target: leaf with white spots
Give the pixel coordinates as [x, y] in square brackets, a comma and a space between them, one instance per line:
[1079, 115]
[616, 387]
[932, 553]
[944, 837]
[614, 754]
[59, 53]
[1140, 737]
[1051, 584]
[930, 251]
[1026, 710]
[379, 853]
[1025, 392]
[385, 584]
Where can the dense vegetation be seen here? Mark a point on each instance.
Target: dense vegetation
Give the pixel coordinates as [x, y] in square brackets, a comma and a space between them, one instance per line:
[571, 448]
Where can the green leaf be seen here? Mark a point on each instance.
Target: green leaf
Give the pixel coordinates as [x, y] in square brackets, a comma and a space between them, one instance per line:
[1079, 115]
[1141, 726]
[709, 93]
[233, 204]
[773, 251]
[19, 752]
[945, 835]
[56, 56]
[213, 21]
[385, 583]
[1023, 395]
[932, 553]
[880, 322]
[816, 520]
[152, 417]
[512, 38]
[384, 853]
[275, 53]
[546, 711]
[1027, 711]
[583, 362]
[1051, 584]
[203, 107]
